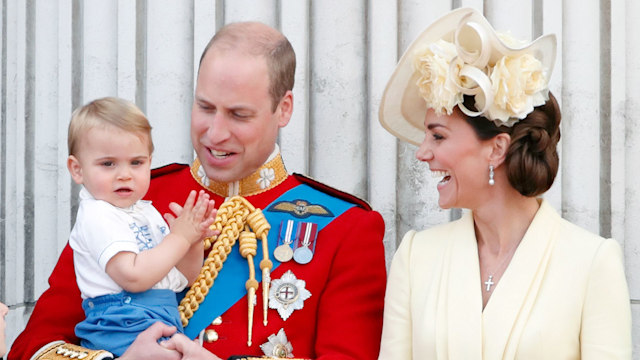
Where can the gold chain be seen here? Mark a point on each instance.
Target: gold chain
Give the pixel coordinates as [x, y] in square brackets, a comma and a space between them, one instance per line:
[233, 216]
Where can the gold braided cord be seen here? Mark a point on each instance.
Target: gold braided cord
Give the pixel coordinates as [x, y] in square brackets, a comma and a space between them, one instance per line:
[259, 223]
[248, 245]
[248, 249]
[232, 217]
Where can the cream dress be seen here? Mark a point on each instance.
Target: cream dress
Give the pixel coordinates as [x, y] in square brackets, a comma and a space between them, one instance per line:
[563, 296]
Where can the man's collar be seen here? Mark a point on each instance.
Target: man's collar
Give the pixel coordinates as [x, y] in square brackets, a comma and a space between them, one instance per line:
[268, 176]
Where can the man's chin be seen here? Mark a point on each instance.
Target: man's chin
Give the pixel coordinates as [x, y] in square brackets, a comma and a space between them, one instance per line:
[220, 175]
[227, 174]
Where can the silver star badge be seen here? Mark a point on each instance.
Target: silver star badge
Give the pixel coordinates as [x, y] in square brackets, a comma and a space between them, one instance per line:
[278, 346]
[287, 294]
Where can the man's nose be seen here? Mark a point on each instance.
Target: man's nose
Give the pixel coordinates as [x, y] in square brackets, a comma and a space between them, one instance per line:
[219, 130]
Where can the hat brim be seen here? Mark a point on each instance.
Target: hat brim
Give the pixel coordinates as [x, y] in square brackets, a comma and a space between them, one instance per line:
[402, 108]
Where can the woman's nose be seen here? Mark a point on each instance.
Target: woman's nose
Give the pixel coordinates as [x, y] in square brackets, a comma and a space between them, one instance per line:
[424, 152]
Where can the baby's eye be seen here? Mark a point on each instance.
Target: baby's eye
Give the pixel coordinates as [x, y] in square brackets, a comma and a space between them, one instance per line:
[107, 163]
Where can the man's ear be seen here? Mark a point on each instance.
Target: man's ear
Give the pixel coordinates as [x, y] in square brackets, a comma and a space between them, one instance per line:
[75, 169]
[499, 149]
[285, 109]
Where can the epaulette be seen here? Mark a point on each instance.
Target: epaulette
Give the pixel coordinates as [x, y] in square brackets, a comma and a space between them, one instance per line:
[332, 191]
[167, 169]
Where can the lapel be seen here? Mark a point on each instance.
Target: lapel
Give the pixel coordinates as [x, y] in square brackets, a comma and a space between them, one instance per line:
[506, 313]
[463, 298]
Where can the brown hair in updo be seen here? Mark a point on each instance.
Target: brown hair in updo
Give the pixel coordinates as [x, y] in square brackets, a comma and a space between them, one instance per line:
[532, 158]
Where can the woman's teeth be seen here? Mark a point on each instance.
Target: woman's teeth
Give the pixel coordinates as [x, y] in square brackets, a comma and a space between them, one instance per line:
[444, 175]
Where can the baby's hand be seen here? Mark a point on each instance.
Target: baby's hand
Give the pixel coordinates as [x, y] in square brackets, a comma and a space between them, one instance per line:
[194, 218]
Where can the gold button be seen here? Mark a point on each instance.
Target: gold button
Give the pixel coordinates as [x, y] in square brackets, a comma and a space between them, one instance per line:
[217, 321]
[210, 336]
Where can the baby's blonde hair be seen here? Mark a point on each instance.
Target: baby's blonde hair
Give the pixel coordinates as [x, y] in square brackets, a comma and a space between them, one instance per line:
[112, 111]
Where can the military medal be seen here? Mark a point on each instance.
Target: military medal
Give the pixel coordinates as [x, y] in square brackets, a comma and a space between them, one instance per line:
[283, 252]
[278, 346]
[287, 294]
[305, 242]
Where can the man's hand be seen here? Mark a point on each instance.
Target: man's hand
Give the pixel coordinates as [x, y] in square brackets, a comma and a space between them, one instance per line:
[190, 350]
[146, 345]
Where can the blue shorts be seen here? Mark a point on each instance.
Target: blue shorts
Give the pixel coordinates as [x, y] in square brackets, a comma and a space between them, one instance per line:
[114, 321]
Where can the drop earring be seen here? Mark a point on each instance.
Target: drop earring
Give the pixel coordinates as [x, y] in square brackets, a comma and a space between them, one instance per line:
[491, 181]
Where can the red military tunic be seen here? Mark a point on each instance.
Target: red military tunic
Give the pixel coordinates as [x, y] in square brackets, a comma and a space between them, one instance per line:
[346, 278]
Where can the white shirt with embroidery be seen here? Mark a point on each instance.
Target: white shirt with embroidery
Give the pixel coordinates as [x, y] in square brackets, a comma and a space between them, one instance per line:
[103, 230]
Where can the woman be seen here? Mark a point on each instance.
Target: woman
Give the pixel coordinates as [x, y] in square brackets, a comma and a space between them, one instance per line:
[4, 310]
[511, 279]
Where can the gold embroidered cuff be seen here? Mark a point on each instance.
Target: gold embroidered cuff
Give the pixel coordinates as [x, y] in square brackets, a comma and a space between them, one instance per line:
[65, 351]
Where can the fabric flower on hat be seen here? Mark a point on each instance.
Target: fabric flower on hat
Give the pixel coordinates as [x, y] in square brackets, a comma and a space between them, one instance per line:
[508, 39]
[519, 84]
[433, 64]
[505, 91]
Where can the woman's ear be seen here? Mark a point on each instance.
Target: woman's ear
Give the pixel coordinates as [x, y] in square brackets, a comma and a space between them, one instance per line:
[75, 169]
[500, 147]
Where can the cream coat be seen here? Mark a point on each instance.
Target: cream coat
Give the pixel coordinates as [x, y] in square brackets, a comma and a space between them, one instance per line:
[563, 296]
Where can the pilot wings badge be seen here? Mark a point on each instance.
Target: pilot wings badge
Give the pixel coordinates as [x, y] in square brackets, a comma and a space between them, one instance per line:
[300, 208]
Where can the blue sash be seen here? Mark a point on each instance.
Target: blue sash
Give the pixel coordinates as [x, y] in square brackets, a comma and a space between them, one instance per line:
[300, 203]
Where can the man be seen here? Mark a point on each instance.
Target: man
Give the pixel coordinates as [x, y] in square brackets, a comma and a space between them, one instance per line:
[325, 247]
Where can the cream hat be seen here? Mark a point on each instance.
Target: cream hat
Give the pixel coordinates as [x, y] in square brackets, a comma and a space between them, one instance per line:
[461, 54]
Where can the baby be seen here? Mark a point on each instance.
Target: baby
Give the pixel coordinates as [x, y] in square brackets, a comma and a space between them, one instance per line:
[128, 265]
[4, 310]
